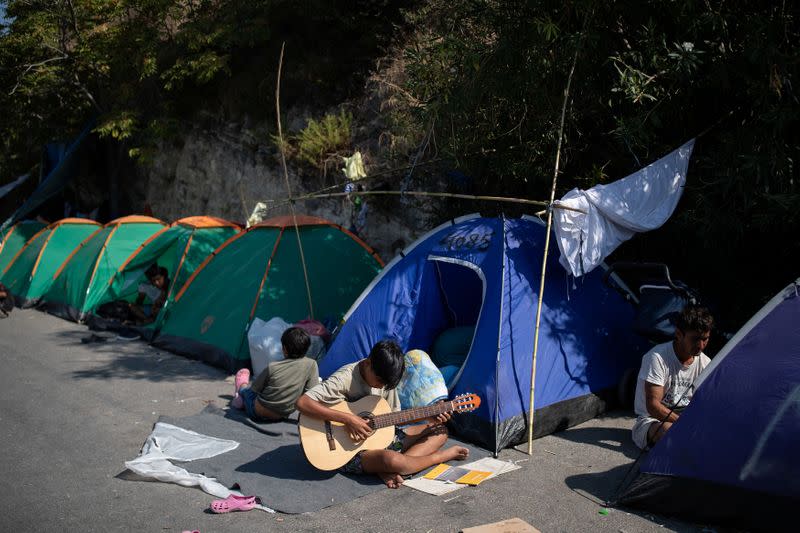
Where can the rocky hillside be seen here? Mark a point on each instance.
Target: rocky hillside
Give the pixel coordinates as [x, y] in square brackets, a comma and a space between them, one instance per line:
[468, 93]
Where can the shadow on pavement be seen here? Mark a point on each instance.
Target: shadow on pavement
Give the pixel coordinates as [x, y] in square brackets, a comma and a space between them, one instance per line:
[133, 359]
[603, 487]
[615, 439]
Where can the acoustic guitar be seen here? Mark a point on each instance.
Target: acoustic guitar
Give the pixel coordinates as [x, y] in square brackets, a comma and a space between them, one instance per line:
[328, 445]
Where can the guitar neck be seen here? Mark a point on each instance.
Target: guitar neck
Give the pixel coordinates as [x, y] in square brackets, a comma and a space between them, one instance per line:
[411, 415]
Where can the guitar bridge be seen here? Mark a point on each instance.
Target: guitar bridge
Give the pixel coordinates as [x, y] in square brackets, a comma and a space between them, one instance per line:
[329, 435]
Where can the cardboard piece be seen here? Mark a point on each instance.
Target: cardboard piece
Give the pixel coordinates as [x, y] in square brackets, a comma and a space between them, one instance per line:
[512, 525]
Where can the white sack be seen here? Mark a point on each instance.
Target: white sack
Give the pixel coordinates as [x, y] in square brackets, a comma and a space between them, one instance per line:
[264, 339]
[640, 202]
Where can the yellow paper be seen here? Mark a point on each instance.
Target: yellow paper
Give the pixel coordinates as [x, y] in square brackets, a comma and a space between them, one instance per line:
[457, 474]
[473, 478]
[440, 469]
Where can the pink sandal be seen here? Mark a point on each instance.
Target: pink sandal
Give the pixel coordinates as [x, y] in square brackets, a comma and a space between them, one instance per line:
[242, 378]
[234, 503]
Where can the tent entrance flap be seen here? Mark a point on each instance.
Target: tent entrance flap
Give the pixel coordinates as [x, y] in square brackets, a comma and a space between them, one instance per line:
[451, 295]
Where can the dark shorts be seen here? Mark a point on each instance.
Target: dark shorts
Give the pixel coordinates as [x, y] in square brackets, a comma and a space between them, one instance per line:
[354, 466]
[249, 397]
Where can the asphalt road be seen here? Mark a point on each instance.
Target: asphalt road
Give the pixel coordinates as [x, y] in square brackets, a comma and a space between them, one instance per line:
[72, 413]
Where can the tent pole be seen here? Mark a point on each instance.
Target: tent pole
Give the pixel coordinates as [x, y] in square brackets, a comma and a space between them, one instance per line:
[288, 187]
[547, 243]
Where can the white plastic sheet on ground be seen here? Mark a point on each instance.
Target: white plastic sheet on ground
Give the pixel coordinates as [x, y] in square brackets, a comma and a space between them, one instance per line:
[637, 203]
[168, 442]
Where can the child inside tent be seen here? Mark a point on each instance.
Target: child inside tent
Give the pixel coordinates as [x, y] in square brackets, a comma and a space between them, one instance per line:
[6, 301]
[154, 291]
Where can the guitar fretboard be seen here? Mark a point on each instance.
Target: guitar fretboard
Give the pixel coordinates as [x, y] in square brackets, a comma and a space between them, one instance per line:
[411, 415]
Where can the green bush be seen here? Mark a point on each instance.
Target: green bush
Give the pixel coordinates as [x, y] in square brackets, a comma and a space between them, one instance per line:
[321, 140]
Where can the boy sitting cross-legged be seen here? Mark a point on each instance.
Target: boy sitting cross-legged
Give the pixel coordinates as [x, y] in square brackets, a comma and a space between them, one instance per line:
[273, 394]
[413, 449]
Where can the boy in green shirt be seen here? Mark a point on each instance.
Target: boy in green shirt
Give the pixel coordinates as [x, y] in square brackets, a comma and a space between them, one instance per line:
[274, 393]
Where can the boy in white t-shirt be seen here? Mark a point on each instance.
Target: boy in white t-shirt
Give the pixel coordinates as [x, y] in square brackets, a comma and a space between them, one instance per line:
[154, 290]
[666, 379]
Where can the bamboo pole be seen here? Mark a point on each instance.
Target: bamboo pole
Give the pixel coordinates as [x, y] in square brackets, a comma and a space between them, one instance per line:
[376, 175]
[547, 246]
[288, 186]
[430, 194]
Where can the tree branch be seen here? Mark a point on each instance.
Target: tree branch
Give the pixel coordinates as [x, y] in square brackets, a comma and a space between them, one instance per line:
[86, 93]
[32, 66]
[73, 19]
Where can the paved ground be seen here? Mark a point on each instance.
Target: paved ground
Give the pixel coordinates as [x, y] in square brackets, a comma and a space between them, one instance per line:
[72, 413]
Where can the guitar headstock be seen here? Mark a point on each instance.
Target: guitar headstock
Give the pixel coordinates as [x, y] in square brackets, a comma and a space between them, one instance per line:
[464, 403]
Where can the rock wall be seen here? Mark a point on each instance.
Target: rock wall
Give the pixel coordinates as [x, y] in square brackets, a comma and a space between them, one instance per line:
[225, 172]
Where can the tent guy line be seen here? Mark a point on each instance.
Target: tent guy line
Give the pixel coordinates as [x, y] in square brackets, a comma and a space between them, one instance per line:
[288, 186]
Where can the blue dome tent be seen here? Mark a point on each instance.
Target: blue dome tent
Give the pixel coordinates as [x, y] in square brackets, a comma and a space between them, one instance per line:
[732, 456]
[481, 276]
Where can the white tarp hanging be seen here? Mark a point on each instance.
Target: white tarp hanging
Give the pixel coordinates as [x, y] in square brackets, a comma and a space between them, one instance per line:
[613, 213]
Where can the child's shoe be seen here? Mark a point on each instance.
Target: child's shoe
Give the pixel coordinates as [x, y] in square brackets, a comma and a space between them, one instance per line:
[242, 378]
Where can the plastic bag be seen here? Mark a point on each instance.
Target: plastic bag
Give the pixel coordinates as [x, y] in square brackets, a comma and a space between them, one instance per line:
[314, 327]
[422, 383]
[264, 339]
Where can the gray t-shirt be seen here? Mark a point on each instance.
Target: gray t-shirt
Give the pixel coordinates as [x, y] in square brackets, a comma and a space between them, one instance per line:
[282, 382]
[660, 366]
[347, 384]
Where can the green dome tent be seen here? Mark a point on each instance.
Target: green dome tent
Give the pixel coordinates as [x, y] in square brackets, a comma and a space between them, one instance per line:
[29, 275]
[259, 274]
[180, 248]
[15, 238]
[91, 265]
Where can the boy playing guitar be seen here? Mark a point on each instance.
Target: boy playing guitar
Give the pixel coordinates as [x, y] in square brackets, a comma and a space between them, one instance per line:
[413, 449]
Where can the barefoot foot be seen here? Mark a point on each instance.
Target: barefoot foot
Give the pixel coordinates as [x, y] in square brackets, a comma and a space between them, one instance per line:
[458, 453]
[393, 481]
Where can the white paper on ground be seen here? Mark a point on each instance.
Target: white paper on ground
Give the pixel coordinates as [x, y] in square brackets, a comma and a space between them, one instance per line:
[440, 488]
